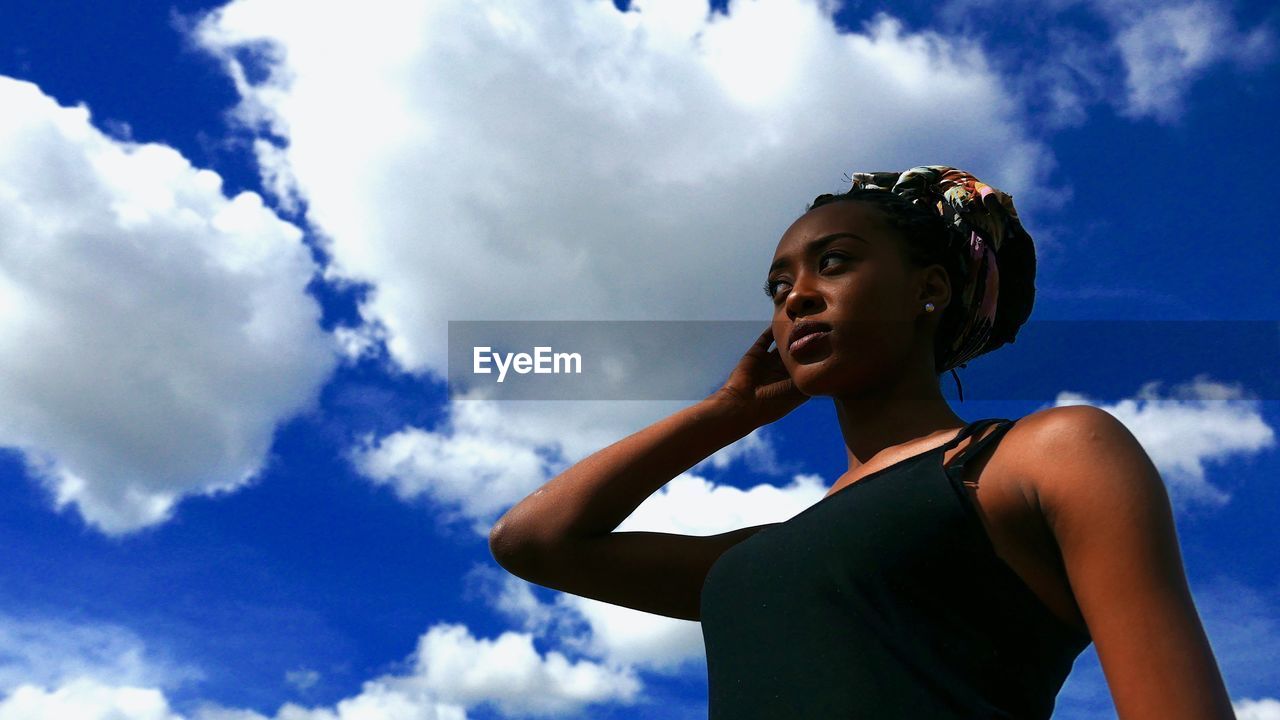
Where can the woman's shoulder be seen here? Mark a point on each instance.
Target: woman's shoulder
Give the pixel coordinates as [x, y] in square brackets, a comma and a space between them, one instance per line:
[1062, 451]
[1065, 421]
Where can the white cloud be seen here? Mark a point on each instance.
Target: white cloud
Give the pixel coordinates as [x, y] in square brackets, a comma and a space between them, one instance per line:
[486, 455]
[1141, 56]
[643, 155]
[453, 670]
[510, 673]
[515, 600]
[479, 464]
[1166, 48]
[1196, 423]
[376, 701]
[358, 342]
[692, 505]
[152, 331]
[50, 652]
[86, 699]
[1257, 709]
[449, 672]
[623, 636]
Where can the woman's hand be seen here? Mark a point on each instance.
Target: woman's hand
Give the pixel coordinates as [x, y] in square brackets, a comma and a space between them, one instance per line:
[760, 386]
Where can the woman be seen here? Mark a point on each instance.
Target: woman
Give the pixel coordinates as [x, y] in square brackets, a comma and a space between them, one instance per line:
[985, 556]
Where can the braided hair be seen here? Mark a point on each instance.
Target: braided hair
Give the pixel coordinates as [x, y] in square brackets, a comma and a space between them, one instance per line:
[984, 232]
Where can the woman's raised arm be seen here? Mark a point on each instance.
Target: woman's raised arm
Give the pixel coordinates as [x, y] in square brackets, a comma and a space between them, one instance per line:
[561, 536]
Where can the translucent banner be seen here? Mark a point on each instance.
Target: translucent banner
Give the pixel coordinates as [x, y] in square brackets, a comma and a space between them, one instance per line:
[688, 360]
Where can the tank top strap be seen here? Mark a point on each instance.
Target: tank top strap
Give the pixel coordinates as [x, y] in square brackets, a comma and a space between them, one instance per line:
[965, 432]
[955, 469]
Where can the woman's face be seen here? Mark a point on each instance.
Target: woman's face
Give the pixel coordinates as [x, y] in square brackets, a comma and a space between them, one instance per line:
[842, 266]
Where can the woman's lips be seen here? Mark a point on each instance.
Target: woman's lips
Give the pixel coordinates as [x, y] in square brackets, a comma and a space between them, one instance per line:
[809, 342]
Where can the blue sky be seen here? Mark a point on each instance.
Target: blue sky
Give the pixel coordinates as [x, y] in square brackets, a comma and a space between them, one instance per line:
[232, 237]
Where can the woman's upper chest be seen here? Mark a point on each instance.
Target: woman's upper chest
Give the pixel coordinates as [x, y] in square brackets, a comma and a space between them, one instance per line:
[1017, 530]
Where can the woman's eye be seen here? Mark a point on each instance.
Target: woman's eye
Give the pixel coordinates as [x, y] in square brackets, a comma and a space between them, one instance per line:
[830, 256]
[771, 287]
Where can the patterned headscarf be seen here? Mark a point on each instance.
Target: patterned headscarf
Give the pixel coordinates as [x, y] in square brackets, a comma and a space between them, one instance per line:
[982, 221]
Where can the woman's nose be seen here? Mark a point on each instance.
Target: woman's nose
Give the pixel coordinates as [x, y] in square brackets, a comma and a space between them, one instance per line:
[803, 298]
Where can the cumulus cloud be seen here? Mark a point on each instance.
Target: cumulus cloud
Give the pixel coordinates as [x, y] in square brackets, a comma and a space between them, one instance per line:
[475, 467]
[1257, 709]
[620, 635]
[486, 455]
[1192, 425]
[49, 652]
[86, 699]
[153, 332]
[693, 505]
[450, 671]
[52, 668]
[511, 674]
[647, 156]
[516, 601]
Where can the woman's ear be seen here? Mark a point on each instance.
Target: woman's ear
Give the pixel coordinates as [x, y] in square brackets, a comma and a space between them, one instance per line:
[935, 287]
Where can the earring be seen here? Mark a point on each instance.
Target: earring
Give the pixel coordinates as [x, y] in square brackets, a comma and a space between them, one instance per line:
[928, 307]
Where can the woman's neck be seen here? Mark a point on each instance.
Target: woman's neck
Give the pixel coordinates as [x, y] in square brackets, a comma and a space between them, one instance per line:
[905, 411]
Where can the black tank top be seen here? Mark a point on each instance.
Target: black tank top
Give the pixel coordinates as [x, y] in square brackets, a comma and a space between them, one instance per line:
[883, 600]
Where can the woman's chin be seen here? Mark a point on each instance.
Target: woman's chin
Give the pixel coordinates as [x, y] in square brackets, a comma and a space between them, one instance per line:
[817, 378]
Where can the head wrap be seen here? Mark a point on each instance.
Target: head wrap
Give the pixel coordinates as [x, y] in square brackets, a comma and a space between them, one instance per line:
[983, 222]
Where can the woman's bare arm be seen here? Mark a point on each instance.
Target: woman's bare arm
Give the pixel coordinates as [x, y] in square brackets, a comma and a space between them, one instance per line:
[562, 536]
[1110, 513]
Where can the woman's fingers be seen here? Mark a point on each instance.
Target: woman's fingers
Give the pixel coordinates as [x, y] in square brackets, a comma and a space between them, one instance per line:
[765, 339]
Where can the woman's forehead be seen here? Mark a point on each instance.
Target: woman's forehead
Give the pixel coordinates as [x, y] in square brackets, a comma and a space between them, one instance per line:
[851, 216]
